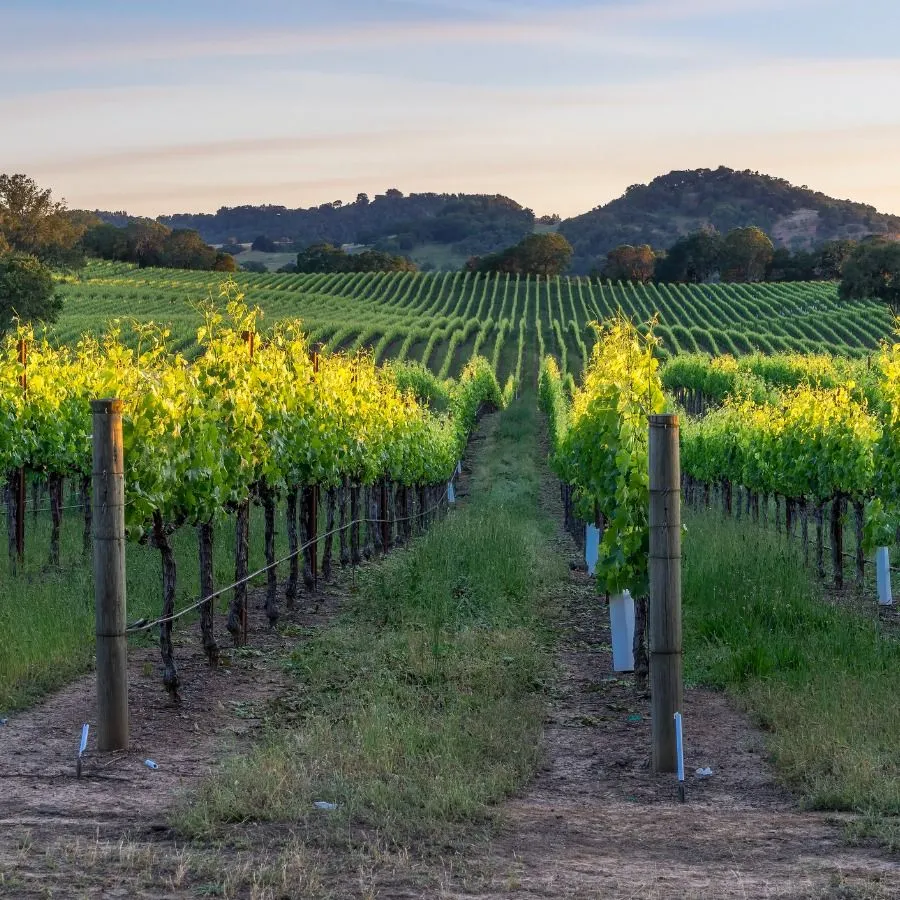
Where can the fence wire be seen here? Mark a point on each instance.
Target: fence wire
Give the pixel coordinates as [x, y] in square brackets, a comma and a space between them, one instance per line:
[146, 626]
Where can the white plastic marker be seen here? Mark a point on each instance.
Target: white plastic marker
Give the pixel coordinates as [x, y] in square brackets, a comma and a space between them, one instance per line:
[591, 547]
[621, 624]
[883, 576]
[81, 748]
[679, 749]
[451, 493]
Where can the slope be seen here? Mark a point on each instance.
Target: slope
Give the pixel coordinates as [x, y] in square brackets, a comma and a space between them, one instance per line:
[682, 201]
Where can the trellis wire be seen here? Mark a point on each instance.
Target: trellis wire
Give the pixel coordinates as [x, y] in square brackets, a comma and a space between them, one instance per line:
[157, 622]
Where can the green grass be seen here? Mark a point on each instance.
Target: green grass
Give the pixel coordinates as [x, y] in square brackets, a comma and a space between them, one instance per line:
[422, 705]
[272, 261]
[47, 615]
[820, 679]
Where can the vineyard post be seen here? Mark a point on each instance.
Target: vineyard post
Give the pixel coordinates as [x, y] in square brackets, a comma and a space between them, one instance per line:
[109, 574]
[314, 501]
[249, 337]
[22, 348]
[665, 589]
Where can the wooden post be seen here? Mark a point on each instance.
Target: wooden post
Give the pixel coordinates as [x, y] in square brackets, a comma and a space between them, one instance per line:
[22, 349]
[109, 575]
[665, 590]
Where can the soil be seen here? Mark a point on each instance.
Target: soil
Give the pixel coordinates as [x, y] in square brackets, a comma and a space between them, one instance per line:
[595, 823]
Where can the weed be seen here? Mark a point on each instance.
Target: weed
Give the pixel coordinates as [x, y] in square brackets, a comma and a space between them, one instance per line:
[820, 679]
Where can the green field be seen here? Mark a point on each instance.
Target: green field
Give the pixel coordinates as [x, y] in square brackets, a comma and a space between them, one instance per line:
[444, 319]
[272, 261]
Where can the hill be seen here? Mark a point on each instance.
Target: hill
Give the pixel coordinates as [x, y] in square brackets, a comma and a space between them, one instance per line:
[464, 224]
[439, 231]
[675, 204]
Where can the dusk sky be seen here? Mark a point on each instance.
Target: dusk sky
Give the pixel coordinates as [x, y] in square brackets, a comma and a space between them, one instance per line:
[561, 104]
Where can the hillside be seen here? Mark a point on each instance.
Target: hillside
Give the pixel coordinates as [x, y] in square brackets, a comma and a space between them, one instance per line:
[439, 231]
[464, 224]
[674, 204]
[444, 320]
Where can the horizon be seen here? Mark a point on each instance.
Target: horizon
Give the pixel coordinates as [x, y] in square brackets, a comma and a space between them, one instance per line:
[559, 105]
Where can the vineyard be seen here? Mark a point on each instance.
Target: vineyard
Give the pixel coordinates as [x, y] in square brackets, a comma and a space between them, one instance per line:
[444, 320]
[280, 431]
[255, 418]
[362, 390]
[807, 434]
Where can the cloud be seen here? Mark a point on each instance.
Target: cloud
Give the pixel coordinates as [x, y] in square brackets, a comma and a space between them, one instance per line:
[565, 28]
[255, 148]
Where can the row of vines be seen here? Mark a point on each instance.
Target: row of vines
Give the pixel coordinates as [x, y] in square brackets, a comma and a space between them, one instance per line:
[253, 417]
[444, 320]
[798, 440]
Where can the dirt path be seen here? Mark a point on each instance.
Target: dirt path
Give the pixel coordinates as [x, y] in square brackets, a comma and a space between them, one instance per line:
[598, 824]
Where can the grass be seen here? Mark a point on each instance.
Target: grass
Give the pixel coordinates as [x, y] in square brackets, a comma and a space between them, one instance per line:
[47, 615]
[86, 867]
[423, 704]
[822, 680]
[272, 261]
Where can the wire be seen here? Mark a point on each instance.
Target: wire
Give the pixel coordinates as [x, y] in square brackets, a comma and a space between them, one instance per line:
[32, 509]
[162, 620]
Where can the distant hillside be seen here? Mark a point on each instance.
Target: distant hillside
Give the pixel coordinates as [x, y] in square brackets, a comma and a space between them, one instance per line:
[441, 230]
[675, 204]
[467, 224]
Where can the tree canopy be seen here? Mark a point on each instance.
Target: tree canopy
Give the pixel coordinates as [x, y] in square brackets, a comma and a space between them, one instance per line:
[873, 271]
[26, 291]
[149, 243]
[693, 258]
[264, 244]
[627, 263]
[328, 258]
[537, 254]
[745, 254]
[31, 221]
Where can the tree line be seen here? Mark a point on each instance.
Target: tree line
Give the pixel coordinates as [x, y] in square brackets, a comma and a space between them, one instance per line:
[331, 259]
[149, 243]
[742, 254]
[869, 268]
[38, 234]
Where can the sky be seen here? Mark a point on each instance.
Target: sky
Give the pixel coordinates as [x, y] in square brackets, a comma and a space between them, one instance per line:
[560, 104]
